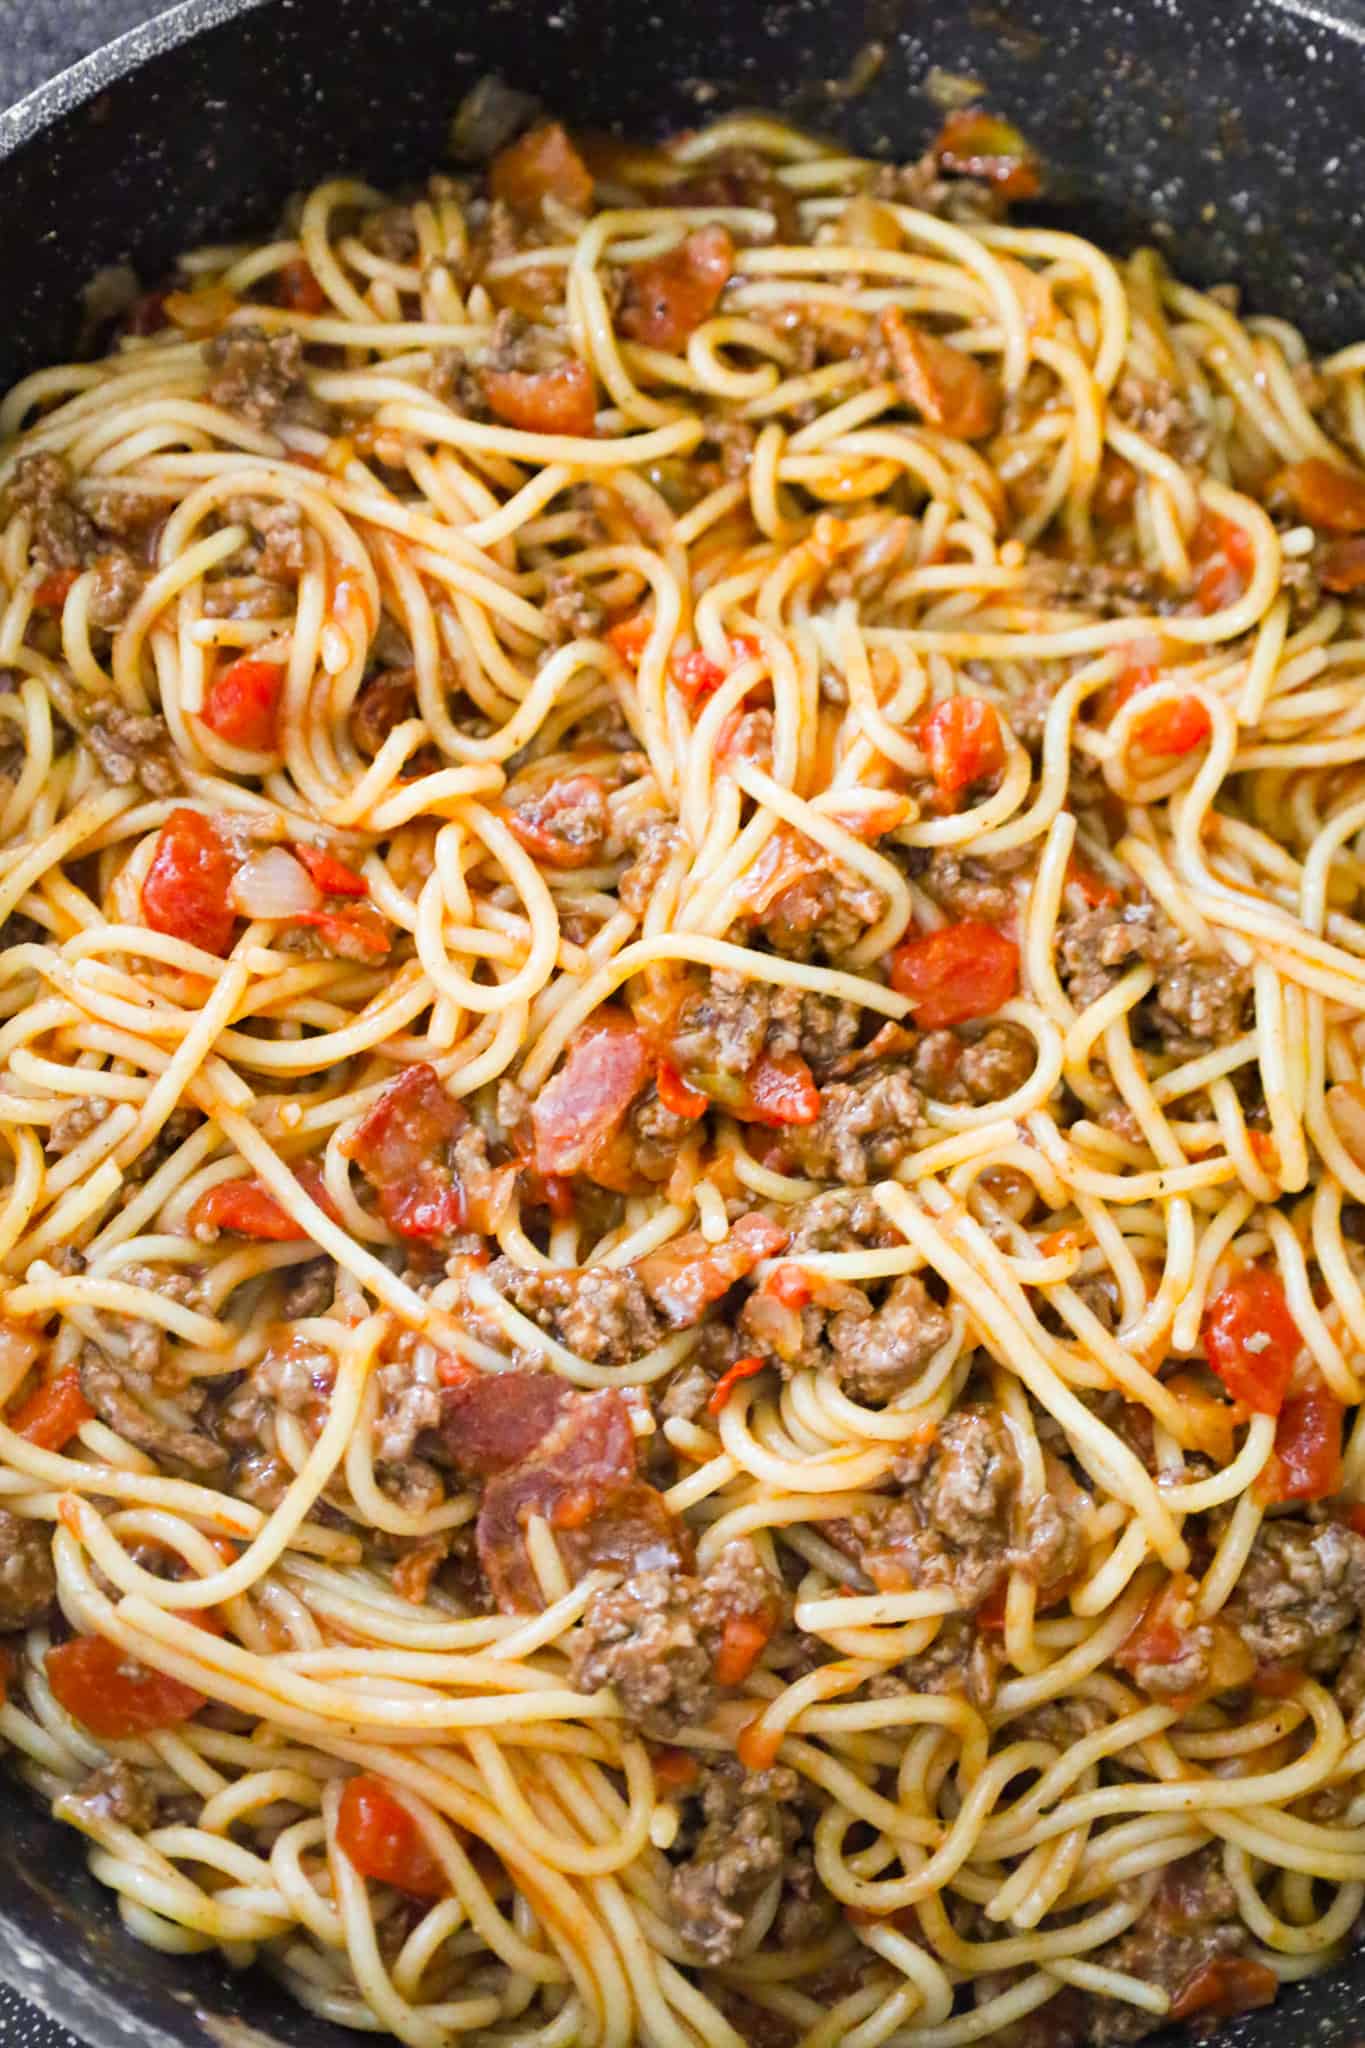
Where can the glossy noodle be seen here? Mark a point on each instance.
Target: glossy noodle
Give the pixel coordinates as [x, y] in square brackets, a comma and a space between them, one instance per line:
[682, 1112]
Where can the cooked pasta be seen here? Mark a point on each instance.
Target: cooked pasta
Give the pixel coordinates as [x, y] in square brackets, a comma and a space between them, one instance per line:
[681, 1107]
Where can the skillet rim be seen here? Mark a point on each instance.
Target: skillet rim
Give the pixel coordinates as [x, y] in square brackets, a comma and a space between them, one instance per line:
[37, 1971]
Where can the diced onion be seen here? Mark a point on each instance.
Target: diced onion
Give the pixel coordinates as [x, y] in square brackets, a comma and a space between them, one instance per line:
[272, 884]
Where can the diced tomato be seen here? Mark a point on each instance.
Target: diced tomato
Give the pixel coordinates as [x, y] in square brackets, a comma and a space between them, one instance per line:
[402, 1145]
[51, 1416]
[666, 298]
[962, 971]
[377, 1834]
[871, 820]
[1251, 1340]
[790, 1285]
[540, 165]
[689, 1274]
[580, 1109]
[962, 738]
[297, 288]
[112, 1694]
[1159, 1637]
[246, 1207]
[948, 387]
[630, 636]
[1341, 565]
[1223, 551]
[698, 677]
[1306, 1461]
[1356, 1519]
[781, 1090]
[1091, 885]
[243, 704]
[675, 1095]
[331, 875]
[185, 892]
[757, 1746]
[1327, 494]
[675, 1769]
[358, 934]
[975, 144]
[564, 825]
[742, 1369]
[562, 400]
[54, 589]
[1223, 1986]
[1175, 726]
[743, 1640]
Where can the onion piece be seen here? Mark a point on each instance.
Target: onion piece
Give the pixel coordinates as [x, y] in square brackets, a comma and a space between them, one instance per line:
[272, 884]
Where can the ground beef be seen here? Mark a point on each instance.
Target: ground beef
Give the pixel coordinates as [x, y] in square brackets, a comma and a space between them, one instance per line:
[865, 1128]
[873, 1351]
[565, 822]
[602, 1313]
[74, 1125]
[572, 611]
[1301, 1596]
[820, 917]
[924, 185]
[951, 1068]
[179, 1125]
[309, 1290]
[390, 232]
[1108, 588]
[686, 1392]
[1154, 408]
[118, 586]
[133, 746]
[957, 1521]
[962, 1659]
[652, 847]
[279, 537]
[1199, 1000]
[117, 1390]
[385, 700]
[28, 1581]
[655, 1135]
[409, 1404]
[654, 1639]
[63, 536]
[980, 888]
[255, 375]
[1193, 1917]
[843, 1219]
[116, 1791]
[724, 1027]
[741, 1850]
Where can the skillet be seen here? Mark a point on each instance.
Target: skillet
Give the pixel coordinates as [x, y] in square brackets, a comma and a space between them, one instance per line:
[1230, 131]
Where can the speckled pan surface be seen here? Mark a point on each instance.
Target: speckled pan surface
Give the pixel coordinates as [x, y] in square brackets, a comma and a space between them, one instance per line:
[1232, 129]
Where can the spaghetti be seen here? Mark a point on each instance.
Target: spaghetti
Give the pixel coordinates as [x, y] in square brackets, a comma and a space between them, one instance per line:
[680, 1087]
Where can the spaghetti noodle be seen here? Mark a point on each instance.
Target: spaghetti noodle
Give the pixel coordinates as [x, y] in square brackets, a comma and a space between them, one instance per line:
[681, 1095]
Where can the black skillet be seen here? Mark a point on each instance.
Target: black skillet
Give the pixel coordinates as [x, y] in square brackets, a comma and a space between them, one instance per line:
[1232, 130]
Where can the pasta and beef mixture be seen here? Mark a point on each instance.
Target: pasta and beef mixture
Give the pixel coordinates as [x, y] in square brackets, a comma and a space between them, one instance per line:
[682, 838]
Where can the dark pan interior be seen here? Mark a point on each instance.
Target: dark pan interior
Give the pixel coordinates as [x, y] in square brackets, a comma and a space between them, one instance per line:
[1232, 130]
